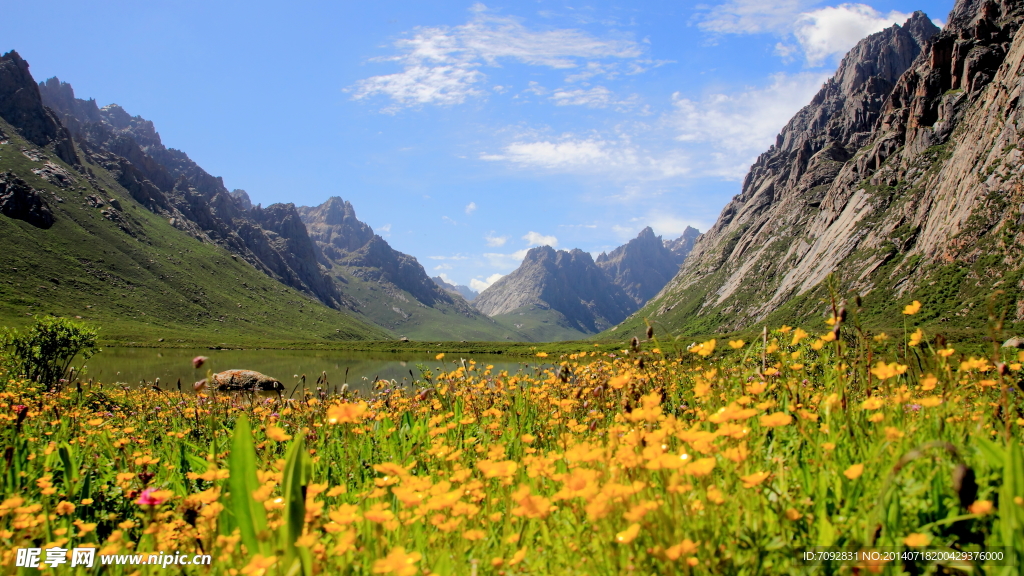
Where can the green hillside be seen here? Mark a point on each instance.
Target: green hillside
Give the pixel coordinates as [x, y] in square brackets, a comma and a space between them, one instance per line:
[543, 325]
[122, 268]
[400, 312]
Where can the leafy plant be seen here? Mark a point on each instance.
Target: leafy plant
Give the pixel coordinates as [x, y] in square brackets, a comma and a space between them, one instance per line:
[45, 351]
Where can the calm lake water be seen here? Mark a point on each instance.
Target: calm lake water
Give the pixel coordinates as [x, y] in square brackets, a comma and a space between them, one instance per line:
[134, 365]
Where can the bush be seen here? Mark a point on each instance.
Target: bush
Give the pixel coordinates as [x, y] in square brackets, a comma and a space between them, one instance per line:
[45, 352]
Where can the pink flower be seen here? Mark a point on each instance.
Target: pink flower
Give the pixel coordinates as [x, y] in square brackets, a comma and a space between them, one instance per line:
[199, 386]
[148, 498]
[198, 361]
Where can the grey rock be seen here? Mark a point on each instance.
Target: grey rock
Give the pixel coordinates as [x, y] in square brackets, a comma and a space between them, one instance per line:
[465, 291]
[1015, 342]
[20, 201]
[231, 380]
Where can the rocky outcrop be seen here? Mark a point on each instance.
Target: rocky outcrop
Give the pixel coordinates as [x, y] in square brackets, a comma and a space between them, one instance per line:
[22, 107]
[641, 267]
[903, 174]
[169, 183]
[465, 291]
[341, 240]
[568, 282]
[681, 247]
[20, 201]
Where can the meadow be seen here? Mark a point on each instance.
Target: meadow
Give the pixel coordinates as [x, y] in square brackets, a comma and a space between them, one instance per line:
[724, 457]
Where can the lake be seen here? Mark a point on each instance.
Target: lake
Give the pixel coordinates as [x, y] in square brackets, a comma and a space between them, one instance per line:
[132, 366]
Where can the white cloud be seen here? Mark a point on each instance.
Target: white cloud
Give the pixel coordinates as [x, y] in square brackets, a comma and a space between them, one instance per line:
[495, 241]
[752, 16]
[590, 155]
[833, 30]
[471, 207]
[456, 257]
[537, 239]
[443, 267]
[445, 277]
[820, 33]
[481, 285]
[448, 220]
[441, 64]
[506, 261]
[385, 228]
[743, 124]
[596, 97]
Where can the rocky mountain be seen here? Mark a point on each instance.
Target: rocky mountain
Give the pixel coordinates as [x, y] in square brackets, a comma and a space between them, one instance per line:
[901, 180]
[565, 285]
[389, 287]
[681, 247]
[77, 243]
[642, 266]
[170, 184]
[465, 291]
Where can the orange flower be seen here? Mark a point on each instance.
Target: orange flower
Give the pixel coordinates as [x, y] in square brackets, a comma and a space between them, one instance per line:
[912, 308]
[629, 534]
[258, 565]
[980, 507]
[736, 344]
[776, 419]
[917, 539]
[346, 412]
[754, 479]
[701, 467]
[531, 505]
[685, 547]
[854, 472]
[398, 562]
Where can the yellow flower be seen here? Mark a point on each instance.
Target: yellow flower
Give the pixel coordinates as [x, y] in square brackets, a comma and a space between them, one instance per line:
[793, 514]
[917, 539]
[620, 381]
[916, 337]
[946, 352]
[929, 382]
[912, 308]
[776, 419]
[517, 557]
[629, 534]
[798, 335]
[704, 349]
[542, 354]
[930, 401]
[398, 562]
[892, 434]
[685, 547]
[64, 508]
[701, 467]
[884, 371]
[86, 501]
[876, 417]
[438, 357]
[346, 412]
[258, 565]
[754, 479]
[854, 472]
[527, 438]
[980, 507]
[736, 344]
[473, 535]
[277, 434]
[873, 403]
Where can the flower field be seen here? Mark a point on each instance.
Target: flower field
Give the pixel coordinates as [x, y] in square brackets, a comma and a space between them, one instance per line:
[718, 458]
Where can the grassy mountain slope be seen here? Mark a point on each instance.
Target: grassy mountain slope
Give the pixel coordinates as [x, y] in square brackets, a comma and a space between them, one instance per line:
[128, 271]
[542, 324]
[387, 305]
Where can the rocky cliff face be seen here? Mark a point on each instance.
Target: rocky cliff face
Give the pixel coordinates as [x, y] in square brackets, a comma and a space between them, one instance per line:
[465, 291]
[568, 282]
[901, 178]
[22, 106]
[169, 183]
[681, 247]
[641, 267]
[391, 288]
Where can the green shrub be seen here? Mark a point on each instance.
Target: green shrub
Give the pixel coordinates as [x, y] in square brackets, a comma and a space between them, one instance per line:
[45, 351]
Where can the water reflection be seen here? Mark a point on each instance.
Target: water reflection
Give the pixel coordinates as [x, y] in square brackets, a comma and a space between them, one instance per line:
[133, 366]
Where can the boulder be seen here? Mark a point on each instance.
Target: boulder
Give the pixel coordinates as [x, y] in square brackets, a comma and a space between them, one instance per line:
[245, 380]
[1015, 342]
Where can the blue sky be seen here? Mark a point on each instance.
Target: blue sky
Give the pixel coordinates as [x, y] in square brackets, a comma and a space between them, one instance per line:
[464, 133]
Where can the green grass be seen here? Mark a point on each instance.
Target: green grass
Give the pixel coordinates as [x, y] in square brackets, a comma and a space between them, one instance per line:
[153, 283]
[543, 325]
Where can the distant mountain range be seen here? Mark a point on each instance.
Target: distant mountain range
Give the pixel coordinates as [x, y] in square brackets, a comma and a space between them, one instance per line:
[565, 294]
[322, 251]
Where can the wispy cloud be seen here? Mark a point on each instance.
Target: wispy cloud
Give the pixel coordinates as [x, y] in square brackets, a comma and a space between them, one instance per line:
[481, 285]
[752, 16]
[495, 241]
[593, 155]
[471, 207]
[596, 97]
[506, 261]
[743, 124]
[441, 65]
[537, 239]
